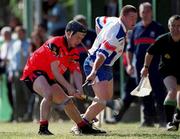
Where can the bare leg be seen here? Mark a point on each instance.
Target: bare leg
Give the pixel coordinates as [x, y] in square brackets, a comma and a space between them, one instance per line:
[73, 112]
[103, 90]
[178, 96]
[42, 87]
[45, 107]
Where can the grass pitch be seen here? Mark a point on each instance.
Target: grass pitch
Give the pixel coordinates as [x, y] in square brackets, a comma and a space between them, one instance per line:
[61, 131]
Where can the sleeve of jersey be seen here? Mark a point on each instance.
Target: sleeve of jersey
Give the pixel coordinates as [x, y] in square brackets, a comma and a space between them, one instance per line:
[106, 48]
[74, 64]
[52, 51]
[155, 49]
[99, 23]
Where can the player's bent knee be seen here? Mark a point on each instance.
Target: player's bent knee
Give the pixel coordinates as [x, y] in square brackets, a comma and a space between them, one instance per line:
[172, 94]
[67, 101]
[48, 97]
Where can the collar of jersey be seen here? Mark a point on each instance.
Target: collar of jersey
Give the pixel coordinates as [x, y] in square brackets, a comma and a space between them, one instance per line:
[66, 44]
[123, 26]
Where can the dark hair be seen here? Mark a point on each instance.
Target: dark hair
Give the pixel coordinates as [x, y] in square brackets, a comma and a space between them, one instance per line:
[75, 27]
[126, 9]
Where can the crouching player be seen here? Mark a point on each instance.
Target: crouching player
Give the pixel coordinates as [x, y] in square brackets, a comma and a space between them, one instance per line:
[43, 74]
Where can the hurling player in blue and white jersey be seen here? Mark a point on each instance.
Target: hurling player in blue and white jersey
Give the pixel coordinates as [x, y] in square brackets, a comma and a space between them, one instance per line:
[106, 49]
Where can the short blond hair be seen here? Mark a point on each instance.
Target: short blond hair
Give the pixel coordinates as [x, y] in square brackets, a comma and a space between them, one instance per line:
[127, 9]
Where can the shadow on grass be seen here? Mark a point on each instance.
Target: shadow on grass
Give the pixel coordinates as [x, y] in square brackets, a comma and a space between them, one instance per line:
[16, 134]
[144, 135]
[150, 135]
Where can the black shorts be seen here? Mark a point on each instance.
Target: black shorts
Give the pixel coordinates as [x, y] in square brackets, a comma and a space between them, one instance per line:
[165, 74]
[32, 77]
[170, 71]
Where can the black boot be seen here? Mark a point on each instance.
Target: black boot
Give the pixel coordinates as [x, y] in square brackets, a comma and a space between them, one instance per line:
[87, 129]
[174, 125]
[43, 130]
[169, 111]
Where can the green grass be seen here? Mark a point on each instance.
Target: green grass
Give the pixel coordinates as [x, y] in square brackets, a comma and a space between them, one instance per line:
[61, 131]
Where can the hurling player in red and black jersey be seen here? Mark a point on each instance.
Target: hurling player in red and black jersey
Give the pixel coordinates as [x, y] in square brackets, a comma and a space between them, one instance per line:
[44, 71]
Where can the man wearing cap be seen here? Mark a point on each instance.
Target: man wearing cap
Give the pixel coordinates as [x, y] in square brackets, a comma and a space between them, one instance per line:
[43, 74]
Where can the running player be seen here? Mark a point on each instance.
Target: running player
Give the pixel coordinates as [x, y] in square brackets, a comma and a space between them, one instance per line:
[106, 49]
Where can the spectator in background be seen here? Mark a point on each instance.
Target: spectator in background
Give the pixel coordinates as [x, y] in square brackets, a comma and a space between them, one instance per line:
[168, 47]
[144, 34]
[40, 31]
[19, 58]
[13, 23]
[36, 41]
[6, 57]
[56, 17]
[111, 8]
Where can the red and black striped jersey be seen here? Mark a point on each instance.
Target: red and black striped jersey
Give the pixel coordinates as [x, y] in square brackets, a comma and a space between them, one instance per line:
[55, 49]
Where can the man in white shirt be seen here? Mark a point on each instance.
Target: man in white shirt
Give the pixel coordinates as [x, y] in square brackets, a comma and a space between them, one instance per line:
[106, 49]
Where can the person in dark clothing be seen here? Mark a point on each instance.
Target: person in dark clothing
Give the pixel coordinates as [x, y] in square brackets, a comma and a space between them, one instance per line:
[167, 47]
[143, 35]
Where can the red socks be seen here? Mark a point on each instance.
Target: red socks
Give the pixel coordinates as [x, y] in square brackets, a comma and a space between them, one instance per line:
[44, 122]
[82, 123]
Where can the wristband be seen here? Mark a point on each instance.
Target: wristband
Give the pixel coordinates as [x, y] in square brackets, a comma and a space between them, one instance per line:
[146, 66]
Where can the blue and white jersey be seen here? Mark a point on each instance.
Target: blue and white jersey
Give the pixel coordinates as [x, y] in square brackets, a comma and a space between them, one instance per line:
[110, 40]
[101, 21]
